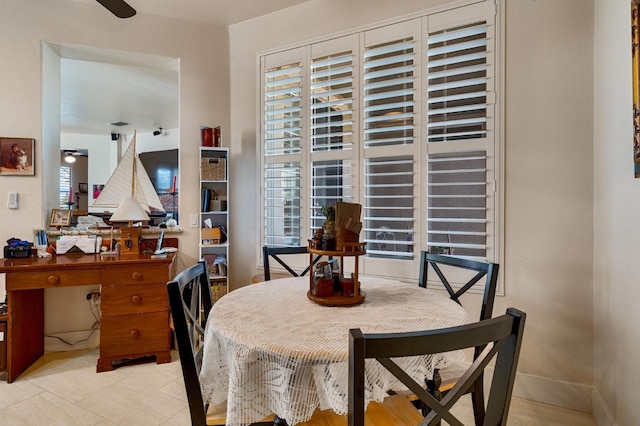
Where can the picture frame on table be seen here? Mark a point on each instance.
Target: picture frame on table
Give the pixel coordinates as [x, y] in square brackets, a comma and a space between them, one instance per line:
[60, 218]
[17, 156]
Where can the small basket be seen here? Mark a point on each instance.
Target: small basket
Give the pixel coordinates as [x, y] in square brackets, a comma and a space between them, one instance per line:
[343, 235]
[213, 169]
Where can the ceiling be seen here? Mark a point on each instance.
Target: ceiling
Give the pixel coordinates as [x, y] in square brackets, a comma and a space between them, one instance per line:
[100, 87]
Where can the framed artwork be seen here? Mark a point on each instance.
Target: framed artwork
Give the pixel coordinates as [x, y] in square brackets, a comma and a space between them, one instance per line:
[635, 59]
[83, 188]
[60, 218]
[17, 156]
[97, 189]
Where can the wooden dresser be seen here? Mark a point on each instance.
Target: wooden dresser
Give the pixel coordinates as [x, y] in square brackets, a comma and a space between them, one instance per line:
[134, 314]
[134, 307]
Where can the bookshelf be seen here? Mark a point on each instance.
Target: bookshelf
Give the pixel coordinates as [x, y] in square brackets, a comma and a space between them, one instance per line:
[214, 216]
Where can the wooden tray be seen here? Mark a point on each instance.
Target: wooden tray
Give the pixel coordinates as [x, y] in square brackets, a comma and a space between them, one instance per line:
[338, 300]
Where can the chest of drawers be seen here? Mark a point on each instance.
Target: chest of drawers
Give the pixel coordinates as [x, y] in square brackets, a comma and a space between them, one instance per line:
[134, 314]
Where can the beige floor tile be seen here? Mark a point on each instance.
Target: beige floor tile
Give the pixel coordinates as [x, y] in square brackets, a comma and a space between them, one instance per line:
[183, 418]
[11, 394]
[47, 409]
[131, 402]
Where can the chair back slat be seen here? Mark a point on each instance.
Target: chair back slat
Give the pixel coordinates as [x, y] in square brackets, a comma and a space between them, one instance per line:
[501, 338]
[276, 253]
[486, 270]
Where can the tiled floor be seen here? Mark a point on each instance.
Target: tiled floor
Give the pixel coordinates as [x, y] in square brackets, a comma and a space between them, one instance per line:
[63, 389]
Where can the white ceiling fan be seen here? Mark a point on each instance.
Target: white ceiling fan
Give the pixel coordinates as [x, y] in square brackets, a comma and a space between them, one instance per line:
[71, 154]
[120, 8]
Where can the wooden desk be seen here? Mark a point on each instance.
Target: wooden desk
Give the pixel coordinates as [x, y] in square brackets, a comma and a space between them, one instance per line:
[134, 319]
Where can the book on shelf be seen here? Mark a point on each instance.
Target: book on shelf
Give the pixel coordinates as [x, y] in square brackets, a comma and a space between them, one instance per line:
[211, 201]
[206, 134]
[217, 264]
[216, 137]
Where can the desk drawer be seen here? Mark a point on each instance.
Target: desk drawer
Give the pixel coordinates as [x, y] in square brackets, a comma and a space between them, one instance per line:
[129, 335]
[135, 274]
[52, 279]
[135, 298]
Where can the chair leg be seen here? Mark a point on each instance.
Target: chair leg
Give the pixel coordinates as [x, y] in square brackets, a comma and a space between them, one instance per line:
[477, 399]
[279, 422]
[433, 387]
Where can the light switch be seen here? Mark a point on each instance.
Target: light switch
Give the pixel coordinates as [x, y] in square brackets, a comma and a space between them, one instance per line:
[13, 200]
[193, 220]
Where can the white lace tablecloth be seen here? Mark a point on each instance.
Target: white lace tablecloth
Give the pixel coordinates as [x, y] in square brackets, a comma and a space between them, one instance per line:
[269, 349]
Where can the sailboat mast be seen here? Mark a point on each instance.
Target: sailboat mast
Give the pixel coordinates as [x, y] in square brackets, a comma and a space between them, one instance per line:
[133, 169]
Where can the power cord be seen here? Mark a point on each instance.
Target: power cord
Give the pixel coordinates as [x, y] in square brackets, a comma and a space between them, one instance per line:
[93, 305]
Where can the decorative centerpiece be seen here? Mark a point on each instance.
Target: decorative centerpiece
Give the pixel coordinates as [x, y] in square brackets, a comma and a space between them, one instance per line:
[328, 235]
[338, 238]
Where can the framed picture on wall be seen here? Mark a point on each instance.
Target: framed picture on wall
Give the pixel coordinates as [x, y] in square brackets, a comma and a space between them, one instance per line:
[97, 189]
[60, 218]
[17, 156]
[83, 188]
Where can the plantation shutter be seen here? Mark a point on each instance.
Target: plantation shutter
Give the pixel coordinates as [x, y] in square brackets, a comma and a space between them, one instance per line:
[400, 118]
[332, 89]
[283, 86]
[459, 133]
[283, 137]
[390, 67]
[65, 185]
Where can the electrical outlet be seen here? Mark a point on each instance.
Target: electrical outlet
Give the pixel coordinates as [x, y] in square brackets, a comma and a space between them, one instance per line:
[93, 296]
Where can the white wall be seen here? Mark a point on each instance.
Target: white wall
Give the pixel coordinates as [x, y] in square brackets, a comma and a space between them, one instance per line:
[102, 156]
[204, 95]
[549, 170]
[617, 236]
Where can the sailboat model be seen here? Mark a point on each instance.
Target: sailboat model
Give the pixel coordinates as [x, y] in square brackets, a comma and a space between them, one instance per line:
[129, 179]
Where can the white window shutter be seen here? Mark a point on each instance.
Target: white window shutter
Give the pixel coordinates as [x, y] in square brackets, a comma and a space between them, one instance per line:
[400, 118]
[459, 136]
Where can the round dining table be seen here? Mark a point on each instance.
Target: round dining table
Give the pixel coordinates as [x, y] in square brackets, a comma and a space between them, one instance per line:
[269, 349]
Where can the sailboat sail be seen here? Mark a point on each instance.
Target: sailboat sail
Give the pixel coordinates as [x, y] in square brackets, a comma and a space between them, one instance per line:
[119, 185]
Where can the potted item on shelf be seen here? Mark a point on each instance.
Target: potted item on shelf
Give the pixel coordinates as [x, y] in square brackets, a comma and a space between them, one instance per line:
[328, 238]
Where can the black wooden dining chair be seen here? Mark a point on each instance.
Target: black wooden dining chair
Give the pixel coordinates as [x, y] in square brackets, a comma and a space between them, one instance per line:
[486, 270]
[501, 338]
[276, 253]
[190, 302]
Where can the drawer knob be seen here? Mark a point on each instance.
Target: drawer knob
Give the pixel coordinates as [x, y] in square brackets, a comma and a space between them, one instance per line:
[135, 299]
[53, 279]
[136, 276]
[134, 333]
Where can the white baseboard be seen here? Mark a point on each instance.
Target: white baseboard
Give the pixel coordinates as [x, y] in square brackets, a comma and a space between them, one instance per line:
[600, 411]
[575, 396]
[51, 344]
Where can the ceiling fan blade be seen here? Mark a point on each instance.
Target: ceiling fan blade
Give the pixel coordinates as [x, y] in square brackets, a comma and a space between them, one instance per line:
[120, 8]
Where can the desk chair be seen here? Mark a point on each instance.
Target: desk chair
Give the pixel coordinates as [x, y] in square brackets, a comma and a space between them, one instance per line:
[501, 338]
[276, 252]
[190, 302]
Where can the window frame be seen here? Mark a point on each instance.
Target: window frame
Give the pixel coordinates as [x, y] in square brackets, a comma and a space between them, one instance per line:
[494, 193]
